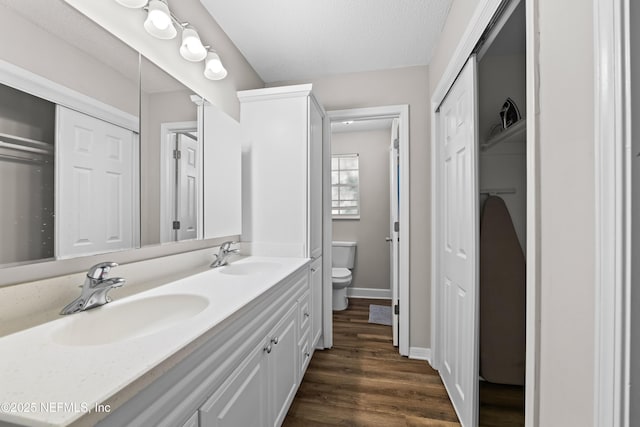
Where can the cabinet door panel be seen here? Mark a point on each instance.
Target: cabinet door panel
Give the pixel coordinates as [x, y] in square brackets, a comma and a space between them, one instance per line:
[241, 401]
[283, 366]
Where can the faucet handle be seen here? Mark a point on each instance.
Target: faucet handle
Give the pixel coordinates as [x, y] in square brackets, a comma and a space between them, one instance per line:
[100, 271]
[226, 246]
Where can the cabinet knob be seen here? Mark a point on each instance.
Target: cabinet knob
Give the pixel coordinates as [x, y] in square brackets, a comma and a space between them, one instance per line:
[274, 340]
[307, 354]
[267, 348]
[306, 315]
[313, 270]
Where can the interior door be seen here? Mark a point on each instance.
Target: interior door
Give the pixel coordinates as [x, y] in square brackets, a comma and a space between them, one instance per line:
[458, 215]
[394, 246]
[187, 186]
[96, 180]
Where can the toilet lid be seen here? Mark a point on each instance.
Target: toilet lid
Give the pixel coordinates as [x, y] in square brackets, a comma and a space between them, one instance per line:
[340, 273]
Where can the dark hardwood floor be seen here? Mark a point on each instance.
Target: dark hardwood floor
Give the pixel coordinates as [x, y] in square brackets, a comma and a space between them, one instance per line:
[363, 381]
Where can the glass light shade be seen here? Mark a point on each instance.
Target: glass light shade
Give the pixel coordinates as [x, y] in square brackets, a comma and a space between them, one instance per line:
[133, 4]
[192, 48]
[213, 69]
[158, 22]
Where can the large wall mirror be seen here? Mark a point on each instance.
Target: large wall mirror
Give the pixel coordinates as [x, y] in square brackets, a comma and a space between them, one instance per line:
[100, 150]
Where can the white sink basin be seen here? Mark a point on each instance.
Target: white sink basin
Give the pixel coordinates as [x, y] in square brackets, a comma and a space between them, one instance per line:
[250, 268]
[122, 321]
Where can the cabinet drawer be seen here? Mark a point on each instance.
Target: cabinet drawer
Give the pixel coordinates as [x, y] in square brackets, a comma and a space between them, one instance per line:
[304, 304]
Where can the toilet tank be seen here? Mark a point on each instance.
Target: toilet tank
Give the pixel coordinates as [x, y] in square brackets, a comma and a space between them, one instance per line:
[343, 254]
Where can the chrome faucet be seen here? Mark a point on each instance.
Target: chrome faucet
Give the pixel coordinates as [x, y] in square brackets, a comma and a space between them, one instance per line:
[95, 288]
[224, 253]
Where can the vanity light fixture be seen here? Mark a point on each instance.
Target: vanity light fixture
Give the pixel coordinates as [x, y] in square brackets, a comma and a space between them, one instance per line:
[213, 68]
[133, 4]
[159, 22]
[192, 48]
[162, 24]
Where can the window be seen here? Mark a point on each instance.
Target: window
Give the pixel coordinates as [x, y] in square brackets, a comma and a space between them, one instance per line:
[345, 186]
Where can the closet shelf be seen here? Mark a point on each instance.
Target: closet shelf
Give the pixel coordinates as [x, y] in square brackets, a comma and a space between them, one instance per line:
[515, 131]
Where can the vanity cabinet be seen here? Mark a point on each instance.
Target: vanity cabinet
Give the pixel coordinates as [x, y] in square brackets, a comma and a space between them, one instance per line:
[282, 171]
[246, 373]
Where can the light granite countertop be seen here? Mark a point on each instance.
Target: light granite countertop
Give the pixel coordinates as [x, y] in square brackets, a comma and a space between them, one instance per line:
[51, 376]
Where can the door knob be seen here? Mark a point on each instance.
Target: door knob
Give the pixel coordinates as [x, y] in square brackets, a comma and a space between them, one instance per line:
[388, 239]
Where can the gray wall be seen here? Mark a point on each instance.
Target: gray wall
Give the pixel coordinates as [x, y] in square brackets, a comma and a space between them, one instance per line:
[392, 87]
[372, 269]
[49, 56]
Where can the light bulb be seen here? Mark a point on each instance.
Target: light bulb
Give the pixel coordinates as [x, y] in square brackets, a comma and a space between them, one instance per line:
[213, 69]
[192, 48]
[158, 22]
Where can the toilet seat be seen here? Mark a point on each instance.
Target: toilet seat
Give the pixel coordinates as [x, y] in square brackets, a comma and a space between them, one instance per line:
[340, 273]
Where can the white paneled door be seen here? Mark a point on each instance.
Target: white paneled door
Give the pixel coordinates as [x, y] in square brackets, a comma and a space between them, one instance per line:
[188, 185]
[96, 170]
[457, 280]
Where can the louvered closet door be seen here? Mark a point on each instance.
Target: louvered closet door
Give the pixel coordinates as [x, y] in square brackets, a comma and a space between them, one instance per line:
[459, 217]
[95, 166]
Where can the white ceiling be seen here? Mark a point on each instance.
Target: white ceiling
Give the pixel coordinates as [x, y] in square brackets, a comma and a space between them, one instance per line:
[302, 39]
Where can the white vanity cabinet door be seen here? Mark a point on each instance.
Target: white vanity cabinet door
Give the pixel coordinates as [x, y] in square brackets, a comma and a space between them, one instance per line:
[242, 399]
[316, 300]
[283, 366]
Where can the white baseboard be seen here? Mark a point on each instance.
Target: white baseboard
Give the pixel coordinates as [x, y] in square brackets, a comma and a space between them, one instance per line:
[369, 293]
[420, 353]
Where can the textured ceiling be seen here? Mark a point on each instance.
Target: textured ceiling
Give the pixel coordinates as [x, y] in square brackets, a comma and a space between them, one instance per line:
[301, 39]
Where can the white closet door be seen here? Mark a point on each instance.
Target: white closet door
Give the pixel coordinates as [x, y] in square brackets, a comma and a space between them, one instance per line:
[188, 187]
[95, 170]
[458, 280]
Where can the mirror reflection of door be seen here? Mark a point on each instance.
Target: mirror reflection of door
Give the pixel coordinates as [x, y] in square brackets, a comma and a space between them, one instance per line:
[185, 203]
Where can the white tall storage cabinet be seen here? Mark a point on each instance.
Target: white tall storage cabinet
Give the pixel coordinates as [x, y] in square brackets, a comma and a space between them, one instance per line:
[282, 179]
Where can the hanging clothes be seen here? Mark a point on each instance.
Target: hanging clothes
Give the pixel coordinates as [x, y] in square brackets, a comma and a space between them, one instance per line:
[502, 297]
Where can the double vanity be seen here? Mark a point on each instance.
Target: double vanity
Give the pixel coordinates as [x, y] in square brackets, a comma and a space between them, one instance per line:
[227, 346]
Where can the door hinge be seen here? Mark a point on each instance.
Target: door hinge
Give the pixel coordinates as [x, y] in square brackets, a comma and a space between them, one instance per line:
[396, 143]
[396, 226]
[176, 225]
[396, 309]
[177, 154]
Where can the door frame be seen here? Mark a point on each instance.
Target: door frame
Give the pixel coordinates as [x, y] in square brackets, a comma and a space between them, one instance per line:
[480, 20]
[613, 177]
[167, 172]
[402, 113]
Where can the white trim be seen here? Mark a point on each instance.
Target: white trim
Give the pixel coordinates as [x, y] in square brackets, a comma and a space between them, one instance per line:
[26, 81]
[613, 175]
[327, 236]
[401, 112]
[279, 92]
[533, 275]
[167, 178]
[483, 14]
[420, 353]
[372, 293]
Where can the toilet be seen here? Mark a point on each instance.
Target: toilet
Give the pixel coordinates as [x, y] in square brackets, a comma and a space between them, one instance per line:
[343, 259]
